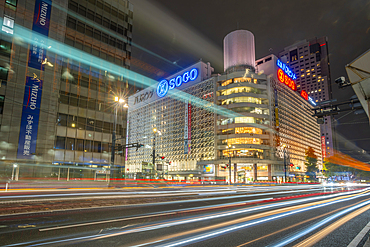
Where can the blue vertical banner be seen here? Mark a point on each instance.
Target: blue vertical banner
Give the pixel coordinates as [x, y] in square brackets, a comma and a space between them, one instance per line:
[41, 23]
[33, 86]
[30, 118]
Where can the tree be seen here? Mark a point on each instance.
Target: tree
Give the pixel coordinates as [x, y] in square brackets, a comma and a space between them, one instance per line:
[311, 162]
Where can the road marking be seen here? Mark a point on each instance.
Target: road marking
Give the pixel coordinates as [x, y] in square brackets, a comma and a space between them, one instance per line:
[359, 236]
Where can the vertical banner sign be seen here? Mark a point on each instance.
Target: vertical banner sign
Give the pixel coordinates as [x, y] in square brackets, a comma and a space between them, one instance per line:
[187, 128]
[33, 85]
[41, 19]
[323, 147]
[30, 118]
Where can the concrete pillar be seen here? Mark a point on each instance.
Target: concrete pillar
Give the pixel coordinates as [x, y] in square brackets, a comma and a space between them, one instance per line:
[269, 172]
[254, 172]
[17, 173]
[235, 173]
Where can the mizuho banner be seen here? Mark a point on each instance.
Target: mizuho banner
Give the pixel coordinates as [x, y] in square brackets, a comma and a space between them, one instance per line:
[33, 85]
[41, 21]
[30, 118]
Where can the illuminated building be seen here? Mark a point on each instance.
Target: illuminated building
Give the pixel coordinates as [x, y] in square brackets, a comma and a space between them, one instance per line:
[73, 98]
[309, 59]
[206, 120]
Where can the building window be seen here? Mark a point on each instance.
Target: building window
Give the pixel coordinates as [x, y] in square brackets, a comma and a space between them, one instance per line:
[2, 98]
[60, 142]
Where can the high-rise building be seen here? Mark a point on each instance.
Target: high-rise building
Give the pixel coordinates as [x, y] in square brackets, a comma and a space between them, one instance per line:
[58, 88]
[309, 60]
[204, 120]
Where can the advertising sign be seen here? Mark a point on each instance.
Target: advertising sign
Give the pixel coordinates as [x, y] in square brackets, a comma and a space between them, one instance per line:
[208, 169]
[33, 85]
[164, 85]
[30, 118]
[41, 21]
[323, 147]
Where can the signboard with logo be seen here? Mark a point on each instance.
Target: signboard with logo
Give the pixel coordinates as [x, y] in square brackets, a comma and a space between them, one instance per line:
[208, 169]
[285, 75]
[323, 147]
[164, 85]
[41, 21]
[30, 118]
[33, 85]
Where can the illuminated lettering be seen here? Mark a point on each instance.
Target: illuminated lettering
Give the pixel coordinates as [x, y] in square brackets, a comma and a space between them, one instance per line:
[164, 85]
[304, 95]
[43, 13]
[283, 78]
[286, 69]
[33, 97]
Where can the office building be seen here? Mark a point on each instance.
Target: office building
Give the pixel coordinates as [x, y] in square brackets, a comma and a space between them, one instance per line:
[57, 109]
[309, 60]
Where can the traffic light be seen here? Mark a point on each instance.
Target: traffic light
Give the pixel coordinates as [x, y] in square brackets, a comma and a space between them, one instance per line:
[169, 163]
[227, 165]
[291, 165]
[162, 157]
[298, 168]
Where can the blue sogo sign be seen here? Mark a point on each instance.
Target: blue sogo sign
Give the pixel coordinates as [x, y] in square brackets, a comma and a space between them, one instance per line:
[164, 85]
[286, 69]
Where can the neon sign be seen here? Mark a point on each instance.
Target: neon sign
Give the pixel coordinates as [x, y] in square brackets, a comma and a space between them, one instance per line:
[284, 78]
[286, 69]
[304, 94]
[164, 85]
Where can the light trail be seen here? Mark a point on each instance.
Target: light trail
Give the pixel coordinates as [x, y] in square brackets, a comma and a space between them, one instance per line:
[326, 231]
[292, 226]
[280, 214]
[164, 213]
[129, 195]
[321, 223]
[216, 233]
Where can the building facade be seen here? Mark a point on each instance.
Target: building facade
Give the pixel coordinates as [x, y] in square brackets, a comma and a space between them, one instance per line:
[309, 59]
[248, 119]
[58, 101]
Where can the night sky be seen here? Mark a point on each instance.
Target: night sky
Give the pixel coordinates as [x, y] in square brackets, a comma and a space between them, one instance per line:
[169, 35]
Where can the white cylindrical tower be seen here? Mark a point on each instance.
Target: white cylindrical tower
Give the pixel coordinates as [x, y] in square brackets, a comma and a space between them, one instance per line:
[239, 50]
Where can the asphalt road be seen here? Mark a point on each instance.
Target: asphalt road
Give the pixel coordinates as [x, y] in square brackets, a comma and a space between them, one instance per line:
[225, 216]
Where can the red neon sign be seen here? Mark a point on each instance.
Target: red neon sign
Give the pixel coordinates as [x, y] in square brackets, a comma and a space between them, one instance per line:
[304, 95]
[284, 78]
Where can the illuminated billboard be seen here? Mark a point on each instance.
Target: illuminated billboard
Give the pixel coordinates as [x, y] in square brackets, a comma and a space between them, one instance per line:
[285, 75]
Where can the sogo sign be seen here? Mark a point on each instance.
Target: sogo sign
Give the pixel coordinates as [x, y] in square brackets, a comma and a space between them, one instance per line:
[286, 75]
[164, 85]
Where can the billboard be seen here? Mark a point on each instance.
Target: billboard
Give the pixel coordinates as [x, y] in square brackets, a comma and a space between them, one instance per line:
[208, 169]
[30, 118]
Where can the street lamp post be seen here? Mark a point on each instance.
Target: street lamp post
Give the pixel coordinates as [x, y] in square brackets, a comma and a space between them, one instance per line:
[120, 101]
[229, 146]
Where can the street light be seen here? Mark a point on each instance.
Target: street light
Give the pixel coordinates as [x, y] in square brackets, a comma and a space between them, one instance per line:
[229, 146]
[119, 101]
